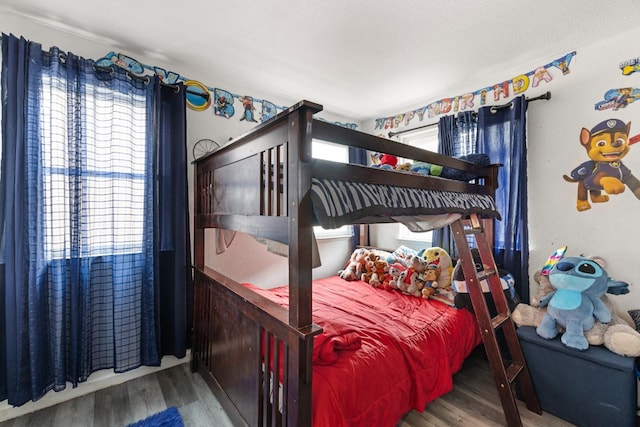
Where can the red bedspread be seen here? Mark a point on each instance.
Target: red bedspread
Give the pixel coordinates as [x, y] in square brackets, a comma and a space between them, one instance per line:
[381, 353]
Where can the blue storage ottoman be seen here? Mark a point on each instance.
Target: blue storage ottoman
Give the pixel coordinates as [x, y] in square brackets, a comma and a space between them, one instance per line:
[594, 387]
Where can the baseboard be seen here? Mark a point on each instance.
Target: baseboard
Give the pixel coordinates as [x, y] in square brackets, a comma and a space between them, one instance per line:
[97, 381]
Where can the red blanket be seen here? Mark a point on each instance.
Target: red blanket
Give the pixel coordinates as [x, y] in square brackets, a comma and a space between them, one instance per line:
[381, 353]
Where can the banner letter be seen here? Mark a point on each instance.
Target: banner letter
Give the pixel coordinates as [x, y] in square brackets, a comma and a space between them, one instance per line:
[520, 83]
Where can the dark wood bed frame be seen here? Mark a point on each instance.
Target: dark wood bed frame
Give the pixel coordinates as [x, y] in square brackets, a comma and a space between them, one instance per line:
[259, 184]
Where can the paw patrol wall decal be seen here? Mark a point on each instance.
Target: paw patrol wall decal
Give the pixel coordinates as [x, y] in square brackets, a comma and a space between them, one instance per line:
[630, 66]
[618, 98]
[606, 144]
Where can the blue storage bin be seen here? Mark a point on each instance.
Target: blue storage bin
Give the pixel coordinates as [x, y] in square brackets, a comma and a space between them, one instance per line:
[588, 388]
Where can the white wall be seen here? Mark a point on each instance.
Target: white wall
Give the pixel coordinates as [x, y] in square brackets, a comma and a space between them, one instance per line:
[610, 229]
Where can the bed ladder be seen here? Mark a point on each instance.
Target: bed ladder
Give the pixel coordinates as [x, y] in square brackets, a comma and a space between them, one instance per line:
[505, 372]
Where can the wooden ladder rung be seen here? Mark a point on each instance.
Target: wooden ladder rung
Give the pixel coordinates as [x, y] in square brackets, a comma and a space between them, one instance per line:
[472, 231]
[499, 320]
[483, 275]
[513, 371]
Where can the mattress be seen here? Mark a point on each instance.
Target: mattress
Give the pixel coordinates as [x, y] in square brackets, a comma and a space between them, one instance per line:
[337, 203]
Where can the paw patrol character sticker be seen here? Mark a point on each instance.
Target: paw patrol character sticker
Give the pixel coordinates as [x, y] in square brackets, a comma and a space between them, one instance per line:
[223, 103]
[606, 144]
[247, 106]
[630, 66]
[618, 98]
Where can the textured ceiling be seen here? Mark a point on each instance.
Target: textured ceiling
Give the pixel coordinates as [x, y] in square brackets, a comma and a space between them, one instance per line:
[359, 58]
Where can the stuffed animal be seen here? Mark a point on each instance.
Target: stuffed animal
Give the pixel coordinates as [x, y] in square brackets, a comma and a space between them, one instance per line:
[441, 258]
[575, 304]
[403, 255]
[419, 264]
[375, 268]
[424, 168]
[385, 282]
[404, 167]
[384, 161]
[617, 335]
[410, 280]
[356, 265]
[395, 272]
[462, 299]
[430, 278]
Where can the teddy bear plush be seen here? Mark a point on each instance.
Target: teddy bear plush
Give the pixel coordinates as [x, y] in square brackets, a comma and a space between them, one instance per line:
[374, 270]
[617, 335]
[356, 265]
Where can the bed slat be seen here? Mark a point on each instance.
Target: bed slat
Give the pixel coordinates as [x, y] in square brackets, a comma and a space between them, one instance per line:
[257, 339]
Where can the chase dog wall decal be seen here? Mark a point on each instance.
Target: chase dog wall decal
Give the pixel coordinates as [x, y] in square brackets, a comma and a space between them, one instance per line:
[606, 144]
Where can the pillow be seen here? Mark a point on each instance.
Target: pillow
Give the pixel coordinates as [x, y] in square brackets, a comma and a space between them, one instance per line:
[402, 255]
[476, 159]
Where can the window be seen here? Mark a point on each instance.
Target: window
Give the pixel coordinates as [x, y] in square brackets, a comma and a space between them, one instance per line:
[336, 153]
[94, 191]
[427, 139]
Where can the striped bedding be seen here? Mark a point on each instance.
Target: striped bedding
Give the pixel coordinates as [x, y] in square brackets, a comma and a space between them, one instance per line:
[337, 203]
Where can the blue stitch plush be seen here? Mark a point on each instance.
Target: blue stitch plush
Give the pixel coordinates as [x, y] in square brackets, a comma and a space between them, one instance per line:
[576, 303]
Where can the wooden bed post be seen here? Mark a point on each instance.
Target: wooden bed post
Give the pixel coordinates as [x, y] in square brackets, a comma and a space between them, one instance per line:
[300, 212]
[198, 260]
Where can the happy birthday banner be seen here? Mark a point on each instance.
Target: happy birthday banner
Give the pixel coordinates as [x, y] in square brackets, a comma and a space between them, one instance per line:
[518, 85]
[199, 96]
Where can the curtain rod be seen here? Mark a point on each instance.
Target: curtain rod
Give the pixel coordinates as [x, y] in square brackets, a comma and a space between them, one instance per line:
[545, 96]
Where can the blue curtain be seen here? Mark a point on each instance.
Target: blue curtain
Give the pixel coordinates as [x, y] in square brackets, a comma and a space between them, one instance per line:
[502, 135]
[457, 136]
[174, 280]
[93, 219]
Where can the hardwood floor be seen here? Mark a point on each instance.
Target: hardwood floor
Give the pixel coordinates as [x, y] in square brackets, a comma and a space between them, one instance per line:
[134, 400]
[473, 402]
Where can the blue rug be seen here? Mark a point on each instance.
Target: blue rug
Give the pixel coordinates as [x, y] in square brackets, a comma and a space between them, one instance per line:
[170, 417]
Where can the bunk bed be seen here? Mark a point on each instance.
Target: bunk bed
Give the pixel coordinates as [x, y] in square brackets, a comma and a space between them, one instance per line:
[297, 355]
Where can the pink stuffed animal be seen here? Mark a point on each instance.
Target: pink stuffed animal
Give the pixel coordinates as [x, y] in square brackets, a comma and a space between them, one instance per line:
[356, 265]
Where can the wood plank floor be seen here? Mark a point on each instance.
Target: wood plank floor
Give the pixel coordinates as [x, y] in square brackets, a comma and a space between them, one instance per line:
[473, 402]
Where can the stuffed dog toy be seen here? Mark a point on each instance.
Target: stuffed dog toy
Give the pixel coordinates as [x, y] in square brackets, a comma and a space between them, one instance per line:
[606, 144]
